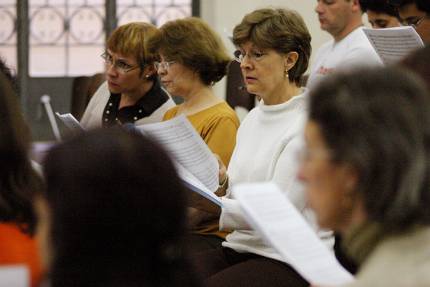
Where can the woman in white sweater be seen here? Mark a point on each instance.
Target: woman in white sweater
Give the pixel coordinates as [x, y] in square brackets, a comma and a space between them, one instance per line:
[273, 50]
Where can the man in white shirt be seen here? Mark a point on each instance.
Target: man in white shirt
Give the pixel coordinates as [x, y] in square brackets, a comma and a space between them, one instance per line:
[349, 46]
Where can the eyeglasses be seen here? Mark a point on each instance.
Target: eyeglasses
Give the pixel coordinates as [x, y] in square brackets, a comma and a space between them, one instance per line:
[164, 64]
[254, 56]
[413, 22]
[119, 65]
[306, 155]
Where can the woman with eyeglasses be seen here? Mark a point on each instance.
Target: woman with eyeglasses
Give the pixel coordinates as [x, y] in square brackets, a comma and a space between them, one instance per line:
[366, 172]
[192, 59]
[273, 51]
[132, 92]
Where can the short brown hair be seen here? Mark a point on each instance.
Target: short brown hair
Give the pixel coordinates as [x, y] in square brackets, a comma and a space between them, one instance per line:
[282, 30]
[132, 40]
[191, 42]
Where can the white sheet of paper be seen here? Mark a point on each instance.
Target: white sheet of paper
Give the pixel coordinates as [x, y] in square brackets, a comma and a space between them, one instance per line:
[393, 44]
[187, 147]
[70, 121]
[14, 276]
[271, 213]
[195, 185]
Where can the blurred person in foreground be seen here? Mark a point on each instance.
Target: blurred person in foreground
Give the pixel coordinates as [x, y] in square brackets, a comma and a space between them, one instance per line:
[366, 171]
[419, 63]
[104, 218]
[18, 184]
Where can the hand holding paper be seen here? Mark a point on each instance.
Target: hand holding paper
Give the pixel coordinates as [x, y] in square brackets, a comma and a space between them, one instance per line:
[70, 121]
[196, 164]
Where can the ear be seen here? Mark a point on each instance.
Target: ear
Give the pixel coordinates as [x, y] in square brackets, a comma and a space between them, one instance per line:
[349, 176]
[148, 71]
[355, 6]
[290, 60]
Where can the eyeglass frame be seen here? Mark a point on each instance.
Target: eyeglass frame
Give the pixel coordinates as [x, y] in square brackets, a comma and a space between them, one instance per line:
[417, 23]
[254, 56]
[110, 62]
[163, 64]
[306, 154]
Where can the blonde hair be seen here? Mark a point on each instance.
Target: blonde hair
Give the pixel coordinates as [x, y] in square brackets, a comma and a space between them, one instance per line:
[132, 40]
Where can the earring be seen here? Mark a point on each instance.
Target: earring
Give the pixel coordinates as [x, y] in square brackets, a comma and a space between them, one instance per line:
[286, 74]
[147, 76]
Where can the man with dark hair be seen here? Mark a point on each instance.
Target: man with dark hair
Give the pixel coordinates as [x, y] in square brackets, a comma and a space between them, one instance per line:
[415, 13]
[380, 13]
[342, 19]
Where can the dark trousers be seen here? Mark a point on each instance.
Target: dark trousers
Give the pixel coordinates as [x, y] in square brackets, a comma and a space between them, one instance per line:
[228, 268]
[202, 243]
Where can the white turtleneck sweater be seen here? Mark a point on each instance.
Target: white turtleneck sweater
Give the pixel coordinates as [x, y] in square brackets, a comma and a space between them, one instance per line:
[267, 144]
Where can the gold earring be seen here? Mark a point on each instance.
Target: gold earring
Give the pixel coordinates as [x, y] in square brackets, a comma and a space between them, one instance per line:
[286, 74]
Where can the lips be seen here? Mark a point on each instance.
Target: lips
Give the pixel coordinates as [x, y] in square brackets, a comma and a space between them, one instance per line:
[165, 83]
[112, 84]
[249, 79]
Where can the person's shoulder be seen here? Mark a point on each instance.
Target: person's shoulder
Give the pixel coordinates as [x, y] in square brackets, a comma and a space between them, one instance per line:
[102, 91]
[324, 48]
[359, 51]
[171, 112]
[220, 112]
[358, 38]
[225, 110]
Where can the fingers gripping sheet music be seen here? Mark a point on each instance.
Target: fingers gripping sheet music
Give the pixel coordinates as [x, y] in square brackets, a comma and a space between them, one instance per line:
[70, 121]
[186, 147]
[270, 212]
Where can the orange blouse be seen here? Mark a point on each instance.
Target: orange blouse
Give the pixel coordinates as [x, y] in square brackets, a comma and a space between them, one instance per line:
[19, 248]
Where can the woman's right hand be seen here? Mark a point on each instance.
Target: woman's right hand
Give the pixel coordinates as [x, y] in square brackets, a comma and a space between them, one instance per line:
[222, 172]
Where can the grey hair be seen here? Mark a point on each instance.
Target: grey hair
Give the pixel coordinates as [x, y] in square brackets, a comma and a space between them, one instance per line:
[377, 121]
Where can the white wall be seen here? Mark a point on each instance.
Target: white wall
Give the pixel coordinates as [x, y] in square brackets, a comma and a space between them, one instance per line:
[223, 15]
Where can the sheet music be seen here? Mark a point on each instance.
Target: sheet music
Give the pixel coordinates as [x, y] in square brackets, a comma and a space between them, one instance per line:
[14, 276]
[46, 102]
[186, 146]
[393, 44]
[70, 121]
[195, 185]
[271, 213]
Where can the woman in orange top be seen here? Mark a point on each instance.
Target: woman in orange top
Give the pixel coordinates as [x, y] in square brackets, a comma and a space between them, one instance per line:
[18, 182]
[193, 58]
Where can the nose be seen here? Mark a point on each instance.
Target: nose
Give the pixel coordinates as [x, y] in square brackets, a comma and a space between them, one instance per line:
[161, 70]
[301, 173]
[111, 71]
[245, 63]
[319, 8]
